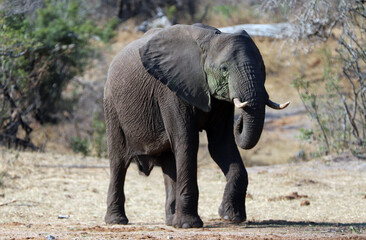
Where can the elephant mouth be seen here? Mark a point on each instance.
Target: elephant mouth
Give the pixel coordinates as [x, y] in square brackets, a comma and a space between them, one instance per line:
[221, 91]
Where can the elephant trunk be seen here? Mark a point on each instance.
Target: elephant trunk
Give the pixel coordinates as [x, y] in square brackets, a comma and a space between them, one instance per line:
[248, 127]
[248, 86]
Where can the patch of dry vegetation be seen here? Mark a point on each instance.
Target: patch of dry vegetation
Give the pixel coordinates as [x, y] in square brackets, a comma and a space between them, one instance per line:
[38, 187]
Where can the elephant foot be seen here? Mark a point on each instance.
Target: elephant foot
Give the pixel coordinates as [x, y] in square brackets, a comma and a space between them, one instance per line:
[115, 219]
[187, 221]
[228, 213]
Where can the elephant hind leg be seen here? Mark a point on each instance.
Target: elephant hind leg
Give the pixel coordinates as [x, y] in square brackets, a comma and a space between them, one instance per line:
[119, 162]
[170, 177]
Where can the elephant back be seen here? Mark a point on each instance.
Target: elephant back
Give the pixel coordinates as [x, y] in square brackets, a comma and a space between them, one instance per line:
[126, 66]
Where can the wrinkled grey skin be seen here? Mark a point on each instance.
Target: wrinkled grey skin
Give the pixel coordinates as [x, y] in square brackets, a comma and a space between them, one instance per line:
[164, 88]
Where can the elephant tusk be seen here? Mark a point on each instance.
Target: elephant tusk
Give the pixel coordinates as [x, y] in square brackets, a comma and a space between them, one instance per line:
[239, 104]
[276, 105]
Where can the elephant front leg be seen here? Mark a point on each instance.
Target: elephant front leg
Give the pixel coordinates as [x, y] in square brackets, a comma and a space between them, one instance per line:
[232, 207]
[186, 210]
[223, 150]
[181, 126]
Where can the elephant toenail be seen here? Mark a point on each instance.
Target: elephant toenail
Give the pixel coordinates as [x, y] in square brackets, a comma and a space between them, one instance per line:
[236, 219]
[186, 225]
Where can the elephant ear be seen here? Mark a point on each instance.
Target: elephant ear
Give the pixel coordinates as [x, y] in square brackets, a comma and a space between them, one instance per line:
[174, 57]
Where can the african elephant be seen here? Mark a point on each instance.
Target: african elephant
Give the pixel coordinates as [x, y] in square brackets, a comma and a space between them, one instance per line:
[164, 88]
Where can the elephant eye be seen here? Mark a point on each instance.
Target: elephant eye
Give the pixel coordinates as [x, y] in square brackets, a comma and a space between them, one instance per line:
[223, 68]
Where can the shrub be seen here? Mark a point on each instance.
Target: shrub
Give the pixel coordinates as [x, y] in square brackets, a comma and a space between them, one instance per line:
[144, 9]
[337, 102]
[80, 145]
[99, 137]
[40, 53]
[225, 10]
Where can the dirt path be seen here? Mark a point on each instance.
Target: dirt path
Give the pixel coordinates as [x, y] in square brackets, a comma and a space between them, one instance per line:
[317, 199]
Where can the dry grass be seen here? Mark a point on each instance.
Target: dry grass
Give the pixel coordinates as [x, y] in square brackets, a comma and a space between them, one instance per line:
[32, 194]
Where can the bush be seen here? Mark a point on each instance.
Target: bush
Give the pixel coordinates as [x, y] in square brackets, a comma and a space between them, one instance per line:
[40, 53]
[99, 137]
[80, 145]
[337, 102]
[225, 10]
[143, 9]
[109, 30]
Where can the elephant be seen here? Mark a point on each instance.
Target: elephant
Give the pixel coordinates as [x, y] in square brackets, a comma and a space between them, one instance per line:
[161, 91]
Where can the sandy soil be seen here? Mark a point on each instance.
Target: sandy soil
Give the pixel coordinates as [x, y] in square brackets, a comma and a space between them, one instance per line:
[45, 194]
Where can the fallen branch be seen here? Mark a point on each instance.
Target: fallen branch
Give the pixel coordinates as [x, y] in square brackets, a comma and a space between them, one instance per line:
[71, 166]
[7, 203]
[11, 141]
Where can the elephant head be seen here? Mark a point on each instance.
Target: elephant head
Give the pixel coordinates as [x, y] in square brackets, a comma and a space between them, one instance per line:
[199, 62]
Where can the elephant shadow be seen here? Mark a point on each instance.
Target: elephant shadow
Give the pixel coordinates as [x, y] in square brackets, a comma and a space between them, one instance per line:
[215, 223]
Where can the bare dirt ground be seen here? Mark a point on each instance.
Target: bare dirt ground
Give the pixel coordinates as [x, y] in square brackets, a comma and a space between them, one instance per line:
[45, 194]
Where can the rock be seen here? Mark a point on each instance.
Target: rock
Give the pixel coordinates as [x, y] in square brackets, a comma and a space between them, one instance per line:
[50, 237]
[292, 196]
[160, 21]
[143, 27]
[276, 30]
[301, 154]
[63, 216]
[305, 203]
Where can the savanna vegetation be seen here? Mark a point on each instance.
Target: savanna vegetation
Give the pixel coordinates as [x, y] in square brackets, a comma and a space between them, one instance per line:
[337, 100]
[42, 50]
[54, 57]
[46, 45]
